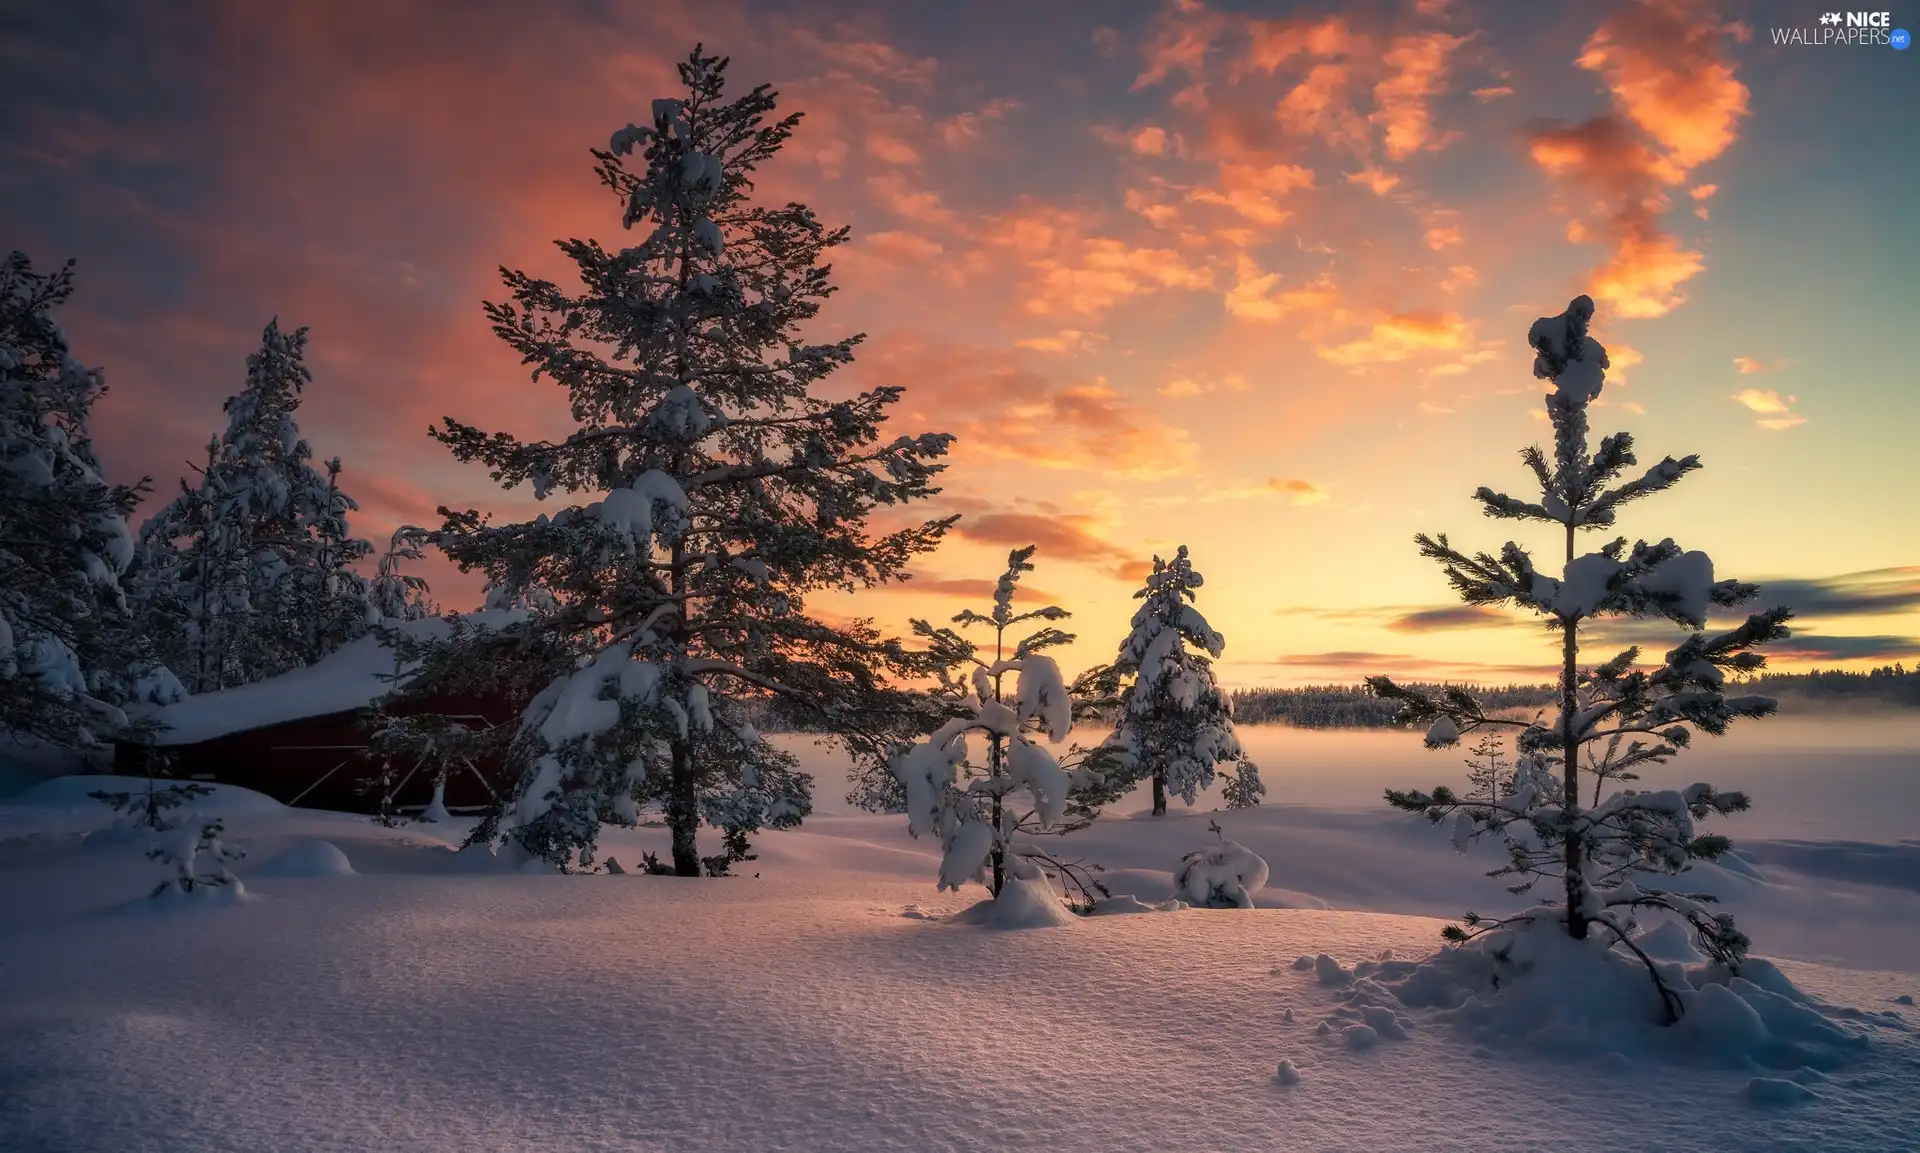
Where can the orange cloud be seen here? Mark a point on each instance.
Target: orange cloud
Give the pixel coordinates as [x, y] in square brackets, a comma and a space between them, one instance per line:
[1748, 365]
[1641, 277]
[1663, 62]
[1417, 71]
[1066, 271]
[1320, 105]
[1253, 191]
[1150, 140]
[1620, 359]
[1374, 180]
[1678, 105]
[1202, 385]
[1067, 340]
[1253, 295]
[970, 588]
[1066, 536]
[851, 52]
[966, 127]
[1003, 410]
[900, 247]
[1184, 33]
[1302, 492]
[1275, 42]
[1775, 412]
[1400, 337]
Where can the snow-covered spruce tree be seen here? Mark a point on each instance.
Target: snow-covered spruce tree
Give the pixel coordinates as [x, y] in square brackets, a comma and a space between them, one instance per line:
[1176, 725]
[1488, 774]
[151, 808]
[722, 491]
[1224, 875]
[394, 596]
[64, 543]
[199, 859]
[969, 802]
[1612, 717]
[248, 572]
[432, 744]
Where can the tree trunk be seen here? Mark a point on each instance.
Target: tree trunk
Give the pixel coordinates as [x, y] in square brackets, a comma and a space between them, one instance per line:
[999, 854]
[683, 813]
[1159, 794]
[1570, 750]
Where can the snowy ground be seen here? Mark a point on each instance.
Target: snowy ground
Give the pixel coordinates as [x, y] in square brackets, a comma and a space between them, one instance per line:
[419, 1007]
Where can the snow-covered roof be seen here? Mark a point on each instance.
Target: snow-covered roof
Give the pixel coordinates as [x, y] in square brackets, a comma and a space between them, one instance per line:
[351, 678]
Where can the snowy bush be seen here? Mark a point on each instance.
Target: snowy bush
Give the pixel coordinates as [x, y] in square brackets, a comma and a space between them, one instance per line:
[430, 744]
[1176, 725]
[395, 596]
[1529, 985]
[970, 801]
[714, 491]
[1220, 876]
[249, 572]
[198, 858]
[64, 636]
[1607, 853]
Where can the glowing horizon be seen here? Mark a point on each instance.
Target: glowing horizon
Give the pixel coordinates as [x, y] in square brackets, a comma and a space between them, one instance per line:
[1174, 273]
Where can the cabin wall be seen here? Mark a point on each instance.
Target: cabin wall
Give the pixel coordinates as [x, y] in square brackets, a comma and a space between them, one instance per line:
[323, 763]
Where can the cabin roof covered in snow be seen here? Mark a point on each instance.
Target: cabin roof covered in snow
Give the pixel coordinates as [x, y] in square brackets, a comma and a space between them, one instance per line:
[353, 677]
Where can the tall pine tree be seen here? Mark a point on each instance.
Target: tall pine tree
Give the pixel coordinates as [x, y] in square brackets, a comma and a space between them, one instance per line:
[720, 491]
[64, 542]
[1613, 717]
[248, 572]
[1176, 725]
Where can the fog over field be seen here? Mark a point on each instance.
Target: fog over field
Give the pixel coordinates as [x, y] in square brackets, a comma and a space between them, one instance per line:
[1851, 776]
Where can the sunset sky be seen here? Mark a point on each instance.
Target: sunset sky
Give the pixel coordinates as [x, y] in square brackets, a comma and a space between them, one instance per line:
[1254, 278]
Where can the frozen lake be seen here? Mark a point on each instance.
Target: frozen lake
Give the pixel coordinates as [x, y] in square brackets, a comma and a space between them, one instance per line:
[1850, 778]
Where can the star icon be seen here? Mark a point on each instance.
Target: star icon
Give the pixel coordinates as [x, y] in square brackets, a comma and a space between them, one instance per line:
[1830, 18]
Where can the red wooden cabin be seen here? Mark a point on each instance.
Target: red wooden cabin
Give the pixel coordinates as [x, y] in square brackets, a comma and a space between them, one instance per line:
[301, 738]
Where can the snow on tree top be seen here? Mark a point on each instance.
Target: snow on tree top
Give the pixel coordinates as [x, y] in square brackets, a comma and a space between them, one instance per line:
[1566, 355]
[354, 677]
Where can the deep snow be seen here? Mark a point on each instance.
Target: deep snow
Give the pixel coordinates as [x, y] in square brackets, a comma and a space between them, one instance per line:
[825, 1004]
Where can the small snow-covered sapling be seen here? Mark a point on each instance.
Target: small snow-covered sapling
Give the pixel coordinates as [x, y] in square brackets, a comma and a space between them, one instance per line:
[199, 858]
[152, 807]
[1604, 857]
[1175, 725]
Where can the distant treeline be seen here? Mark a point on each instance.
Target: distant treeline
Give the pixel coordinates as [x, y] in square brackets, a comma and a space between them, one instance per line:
[1892, 685]
[1350, 706]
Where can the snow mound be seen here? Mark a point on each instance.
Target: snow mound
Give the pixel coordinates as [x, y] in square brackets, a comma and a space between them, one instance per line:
[1775, 1091]
[72, 793]
[1222, 876]
[1126, 903]
[511, 858]
[1528, 985]
[173, 899]
[308, 859]
[125, 833]
[1025, 903]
